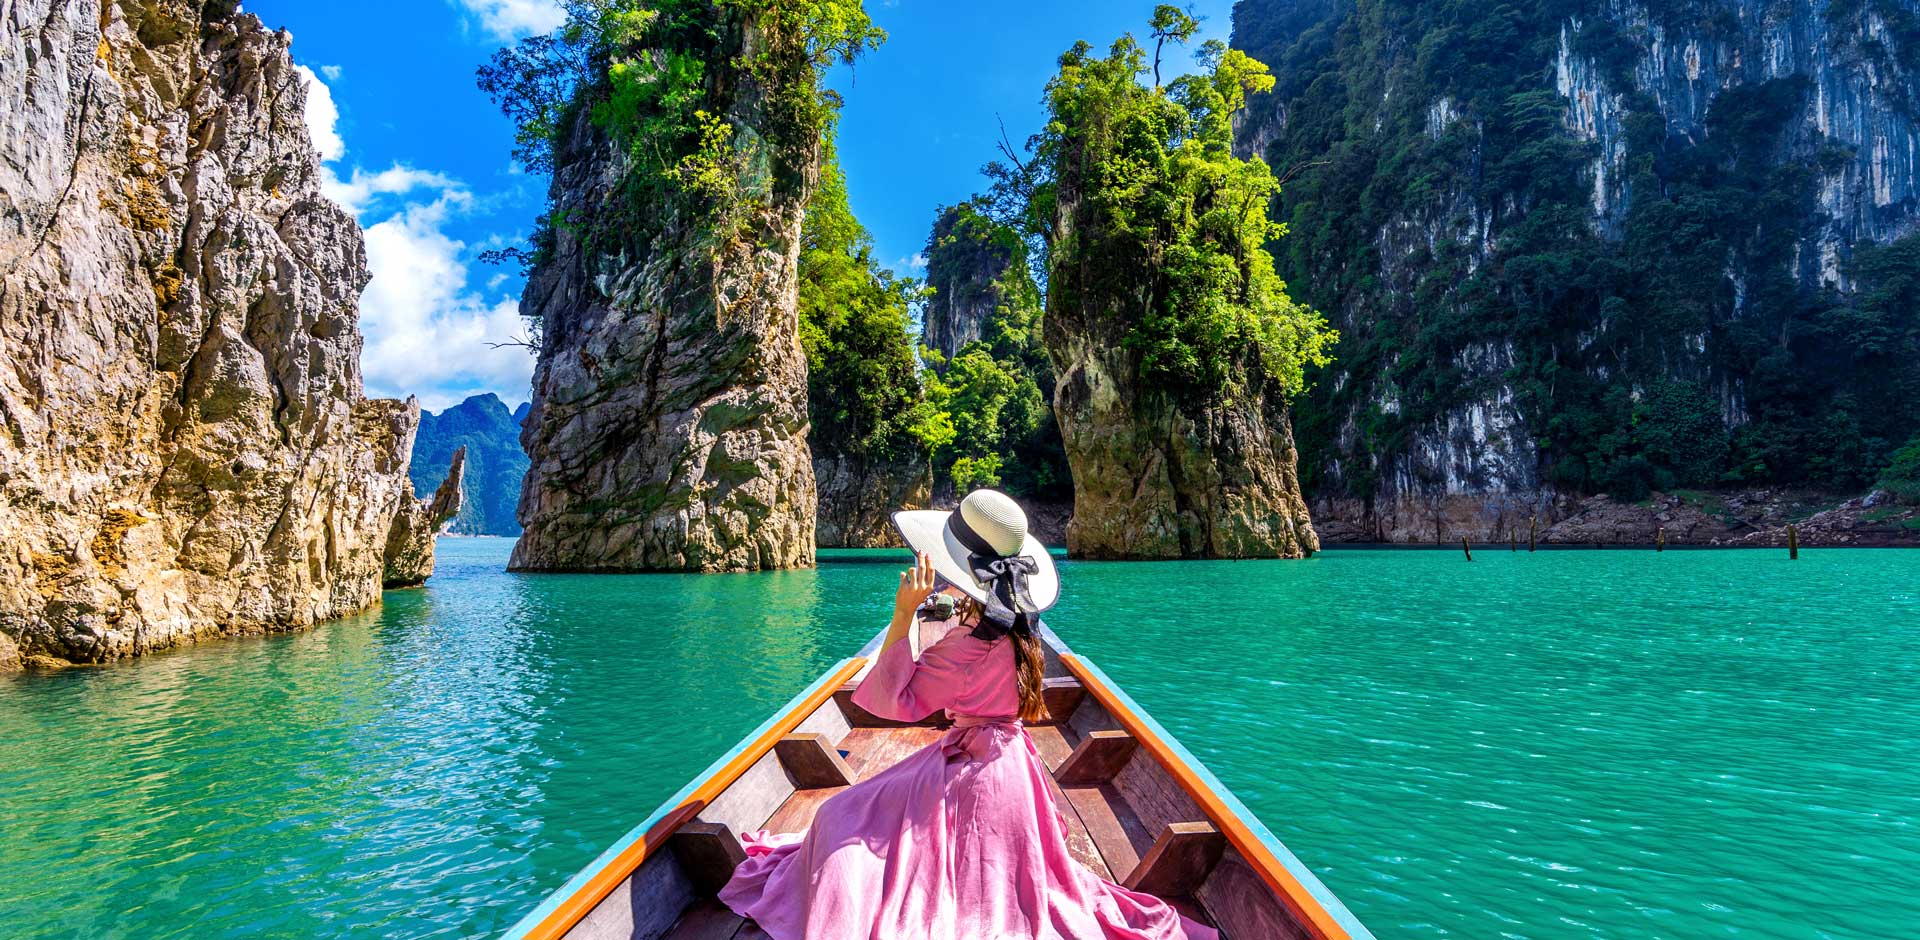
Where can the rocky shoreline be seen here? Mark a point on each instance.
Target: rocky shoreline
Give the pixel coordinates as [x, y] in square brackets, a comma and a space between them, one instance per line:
[1724, 518]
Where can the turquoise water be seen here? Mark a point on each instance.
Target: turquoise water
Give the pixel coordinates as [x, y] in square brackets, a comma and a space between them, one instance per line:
[1561, 745]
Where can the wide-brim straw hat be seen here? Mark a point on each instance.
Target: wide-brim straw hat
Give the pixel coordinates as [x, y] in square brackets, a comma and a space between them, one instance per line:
[999, 522]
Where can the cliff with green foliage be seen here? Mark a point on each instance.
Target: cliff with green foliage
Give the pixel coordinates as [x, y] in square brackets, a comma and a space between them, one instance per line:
[1578, 248]
[991, 379]
[1175, 346]
[495, 463]
[669, 419]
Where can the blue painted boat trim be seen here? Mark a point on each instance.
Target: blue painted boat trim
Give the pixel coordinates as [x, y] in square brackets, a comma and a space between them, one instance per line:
[573, 886]
[1294, 866]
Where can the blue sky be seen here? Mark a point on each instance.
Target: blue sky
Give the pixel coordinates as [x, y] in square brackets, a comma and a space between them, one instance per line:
[421, 157]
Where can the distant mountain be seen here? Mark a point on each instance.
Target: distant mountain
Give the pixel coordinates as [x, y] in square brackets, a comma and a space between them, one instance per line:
[495, 462]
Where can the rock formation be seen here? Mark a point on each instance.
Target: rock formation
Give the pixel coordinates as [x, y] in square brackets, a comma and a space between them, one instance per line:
[965, 264]
[495, 464]
[858, 498]
[669, 419]
[187, 448]
[410, 540]
[1157, 474]
[1156, 478]
[1173, 346]
[1615, 252]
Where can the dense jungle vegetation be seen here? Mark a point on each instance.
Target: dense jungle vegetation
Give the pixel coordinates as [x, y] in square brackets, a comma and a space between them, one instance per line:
[1635, 343]
[1632, 347]
[997, 389]
[1142, 215]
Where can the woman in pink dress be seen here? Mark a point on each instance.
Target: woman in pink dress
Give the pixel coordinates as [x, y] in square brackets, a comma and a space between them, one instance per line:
[961, 840]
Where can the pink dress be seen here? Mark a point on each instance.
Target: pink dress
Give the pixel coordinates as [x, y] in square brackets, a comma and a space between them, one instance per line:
[958, 841]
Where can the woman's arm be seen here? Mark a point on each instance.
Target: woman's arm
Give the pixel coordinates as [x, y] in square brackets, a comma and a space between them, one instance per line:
[900, 687]
[915, 585]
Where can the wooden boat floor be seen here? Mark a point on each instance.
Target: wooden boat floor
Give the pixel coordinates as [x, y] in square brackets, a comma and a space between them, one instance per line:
[1103, 832]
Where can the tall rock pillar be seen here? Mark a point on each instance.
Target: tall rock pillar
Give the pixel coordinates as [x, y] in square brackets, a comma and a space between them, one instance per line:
[669, 421]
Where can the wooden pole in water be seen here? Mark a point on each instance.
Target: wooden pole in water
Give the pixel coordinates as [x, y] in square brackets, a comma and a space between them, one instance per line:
[1660, 540]
[1793, 542]
[1533, 526]
[1466, 548]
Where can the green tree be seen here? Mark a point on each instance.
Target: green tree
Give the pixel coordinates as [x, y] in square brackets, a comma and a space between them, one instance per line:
[1171, 228]
[997, 391]
[864, 392]
[642, 71]
[1902, 476]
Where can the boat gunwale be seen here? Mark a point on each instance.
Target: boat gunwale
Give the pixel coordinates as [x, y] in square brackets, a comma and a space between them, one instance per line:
[1313, 905]
[1310, 901]
[568, 905]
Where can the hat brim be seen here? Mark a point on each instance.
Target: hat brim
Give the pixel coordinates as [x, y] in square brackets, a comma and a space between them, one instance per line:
[925, 531]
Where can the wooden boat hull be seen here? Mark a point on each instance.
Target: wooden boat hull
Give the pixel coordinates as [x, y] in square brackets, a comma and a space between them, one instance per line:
[1141, 811]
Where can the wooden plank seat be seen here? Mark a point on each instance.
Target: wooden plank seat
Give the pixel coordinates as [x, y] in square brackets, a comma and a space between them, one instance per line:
[709, 852]
[1097, 759]
[812, 762]
[1180, 860]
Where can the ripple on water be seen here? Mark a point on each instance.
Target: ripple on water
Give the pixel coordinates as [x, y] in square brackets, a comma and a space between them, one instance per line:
[1558, 745]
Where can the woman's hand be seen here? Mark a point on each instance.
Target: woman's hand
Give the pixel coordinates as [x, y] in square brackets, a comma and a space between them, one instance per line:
[915, 585]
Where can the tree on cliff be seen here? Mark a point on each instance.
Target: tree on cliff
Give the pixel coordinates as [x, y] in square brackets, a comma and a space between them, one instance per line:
[1166, 227]
[1178, 346]
[648, 73]
[989, 369]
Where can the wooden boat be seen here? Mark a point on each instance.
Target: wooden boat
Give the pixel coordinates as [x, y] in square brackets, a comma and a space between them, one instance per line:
[1141, 811]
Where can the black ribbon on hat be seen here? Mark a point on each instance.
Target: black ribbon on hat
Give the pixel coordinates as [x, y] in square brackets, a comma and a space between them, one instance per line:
[1009, 607]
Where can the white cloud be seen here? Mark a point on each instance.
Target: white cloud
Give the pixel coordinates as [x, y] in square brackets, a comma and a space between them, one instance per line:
[511, 19]
[358, 192]
[913, 266]
[332, 72]
[427, 331]
[323, 116]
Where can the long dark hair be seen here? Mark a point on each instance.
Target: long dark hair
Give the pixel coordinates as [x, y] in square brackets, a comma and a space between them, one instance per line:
[1030, 664]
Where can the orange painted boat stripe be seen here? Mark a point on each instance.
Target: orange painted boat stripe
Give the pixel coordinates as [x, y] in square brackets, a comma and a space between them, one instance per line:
[1303, 905]
[575, 909]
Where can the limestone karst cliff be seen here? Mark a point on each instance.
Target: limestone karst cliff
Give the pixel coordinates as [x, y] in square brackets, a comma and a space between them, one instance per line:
[1593, 248]
[187, 447]
[409, 551]
[1154, 477]
[1175, 348]
[669, 419]
[965, 266]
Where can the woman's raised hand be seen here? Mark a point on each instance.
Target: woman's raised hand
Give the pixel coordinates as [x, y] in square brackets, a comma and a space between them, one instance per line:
[915, 584]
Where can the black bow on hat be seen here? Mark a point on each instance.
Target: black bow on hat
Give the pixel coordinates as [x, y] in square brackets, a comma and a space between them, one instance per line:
[1009, 606]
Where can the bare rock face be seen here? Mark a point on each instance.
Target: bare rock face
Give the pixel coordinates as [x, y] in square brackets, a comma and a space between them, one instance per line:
[669, 419]
[858, 498]
[1153, 479]
[410, 540]
[186, 450]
